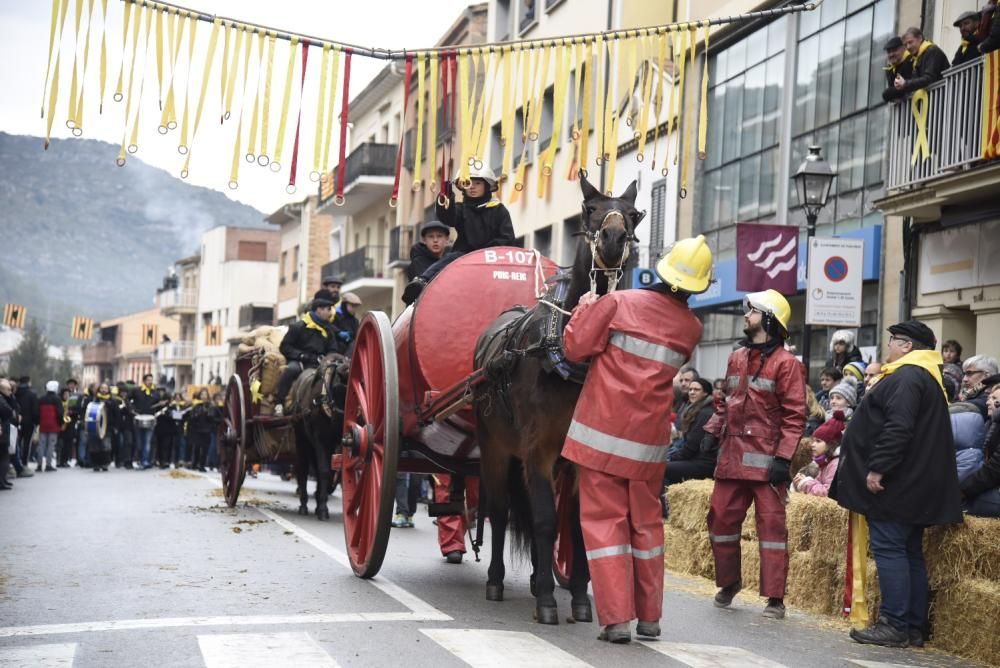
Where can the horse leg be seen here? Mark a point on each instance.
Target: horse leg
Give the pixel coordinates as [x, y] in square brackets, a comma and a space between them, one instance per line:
[579, 577]
[322, 477]
[543, 504]
[302, 449]
[498, 536]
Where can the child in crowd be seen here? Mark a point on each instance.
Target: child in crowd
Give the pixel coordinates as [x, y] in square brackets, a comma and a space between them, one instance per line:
[843, 398]
[826, 456]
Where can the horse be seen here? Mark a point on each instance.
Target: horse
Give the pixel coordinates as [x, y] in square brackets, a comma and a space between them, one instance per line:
[524, 407]
[316, 403]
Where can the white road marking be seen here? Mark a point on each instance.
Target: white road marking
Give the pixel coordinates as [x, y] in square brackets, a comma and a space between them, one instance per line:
[501, 649]
[249, 620]
[263, 650]
[38, 656]
[881, 664]
[711, 656]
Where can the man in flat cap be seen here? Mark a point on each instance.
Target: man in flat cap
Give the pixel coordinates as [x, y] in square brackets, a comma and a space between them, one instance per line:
[898, 62]
[897, 468]
[967, 50]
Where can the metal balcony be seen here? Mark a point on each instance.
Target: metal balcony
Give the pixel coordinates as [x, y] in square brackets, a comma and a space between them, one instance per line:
[366, 272]
[179, 301]
[954, 122]
[176, 353]
[99, 353]
[369, 172]
[401, 240]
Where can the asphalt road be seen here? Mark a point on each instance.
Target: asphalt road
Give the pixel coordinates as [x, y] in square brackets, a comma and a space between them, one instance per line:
[150, 568]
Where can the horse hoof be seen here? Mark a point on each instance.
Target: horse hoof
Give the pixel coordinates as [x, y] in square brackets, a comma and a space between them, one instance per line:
[303, 510]
[494, 592]
[531, 585]
[322, 514]
[582, 612]
[547, 615]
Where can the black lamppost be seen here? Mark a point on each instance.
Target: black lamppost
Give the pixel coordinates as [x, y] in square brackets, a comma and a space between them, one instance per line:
[812, 185]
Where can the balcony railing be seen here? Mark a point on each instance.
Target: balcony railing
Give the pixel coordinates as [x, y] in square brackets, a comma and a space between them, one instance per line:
[400, 242]
[369, 159]
[954, 120]
[179, 298]
[176, 351]
[99, 353]
[365, 262]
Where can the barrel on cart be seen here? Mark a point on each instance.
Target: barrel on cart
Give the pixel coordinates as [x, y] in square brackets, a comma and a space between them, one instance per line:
[410, 386]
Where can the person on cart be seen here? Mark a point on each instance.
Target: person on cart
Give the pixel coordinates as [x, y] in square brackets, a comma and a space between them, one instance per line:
[345, 319]
[481, 220]
[307, 342]
[619, 438]
[434, 243]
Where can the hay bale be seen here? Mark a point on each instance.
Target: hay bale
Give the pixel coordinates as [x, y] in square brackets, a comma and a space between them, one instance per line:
[964, 620]
[272, 365]
[689, 503]
[817, 525]
[961, 551]
[872, 593]
[813, 584]
[688, 552]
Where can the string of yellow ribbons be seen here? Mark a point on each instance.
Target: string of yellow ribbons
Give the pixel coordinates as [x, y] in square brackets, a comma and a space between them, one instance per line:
[602, 79]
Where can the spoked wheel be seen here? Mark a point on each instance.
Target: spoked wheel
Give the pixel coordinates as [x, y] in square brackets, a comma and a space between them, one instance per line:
[233, 440]
[562, 560]
[370, 448]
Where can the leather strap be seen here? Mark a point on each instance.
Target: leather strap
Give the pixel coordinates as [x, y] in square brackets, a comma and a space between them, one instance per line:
[432, 120]
[262, 156]
[255, 115]
[418, 152]
[290, 188]
[320, 109]
[407, 79]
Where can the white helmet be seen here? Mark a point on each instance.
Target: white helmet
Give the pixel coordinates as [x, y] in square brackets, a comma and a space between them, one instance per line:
[52, 386]
[484, 173]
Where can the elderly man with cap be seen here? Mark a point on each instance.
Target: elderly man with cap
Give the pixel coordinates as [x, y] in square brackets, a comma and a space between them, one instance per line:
[306, 342]
[967, 50]
[897, 469]
[898, 63]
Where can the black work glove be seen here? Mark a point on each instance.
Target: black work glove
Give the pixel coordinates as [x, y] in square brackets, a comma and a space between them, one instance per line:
[709, 444]
[307, 359]
[778, 473]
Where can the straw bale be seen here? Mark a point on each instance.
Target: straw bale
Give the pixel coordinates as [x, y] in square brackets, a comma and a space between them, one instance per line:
[964, 620]
[270, 372]
[688, 552]
[872, 594]
[818, 525]
[962, 551]
[813, 583]
[689, 503]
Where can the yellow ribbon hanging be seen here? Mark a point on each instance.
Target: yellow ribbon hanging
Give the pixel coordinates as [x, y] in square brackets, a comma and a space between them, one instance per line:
[540, 81]
[599, 100]
[168, 116]
[78, 113]
[223, 80]
[486, 107]
[859, 570]
[54, 90]
[608, 108]
[120, 161]
[688, 137]
[578, 79]
[677, 98]
[104, 53]
[465, 123]
[558, 106]
[432, 121]
[320, 108]
[255, 116]
[234, 170]
[159, 56]
[703, 108]
[508, 111]
[622, 102]
[262, 157]
[233, 73]
[133, 144]
[418, 153]
[206, 75]
[121, 70]
[334, 78]
[661, 78]
[531, 74]
[919, 105]
[183, 146]
[286, 99]
[588, 103]
[54, 21]
[647, 91]
[71, 111]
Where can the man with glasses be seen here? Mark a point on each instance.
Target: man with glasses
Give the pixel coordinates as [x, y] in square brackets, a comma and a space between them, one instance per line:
[759, 428]
[979, 374]
[897, 469]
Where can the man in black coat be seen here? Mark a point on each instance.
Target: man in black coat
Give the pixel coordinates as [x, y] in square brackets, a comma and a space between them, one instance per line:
[929, 61]
[306, 342]
[28, 401]
[968, 49]
[897, 468]
[898, 63]
[989, 29]
[434, 238]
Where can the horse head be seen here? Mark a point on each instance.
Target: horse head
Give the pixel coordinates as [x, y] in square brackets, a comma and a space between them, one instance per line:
[609, 223]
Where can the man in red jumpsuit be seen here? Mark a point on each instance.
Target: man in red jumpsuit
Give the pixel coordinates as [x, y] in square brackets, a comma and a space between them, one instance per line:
[620, 432]
[452, 528]
[759, 428]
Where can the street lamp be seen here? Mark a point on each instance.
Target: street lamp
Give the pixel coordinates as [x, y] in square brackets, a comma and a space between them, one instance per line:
[812, 185]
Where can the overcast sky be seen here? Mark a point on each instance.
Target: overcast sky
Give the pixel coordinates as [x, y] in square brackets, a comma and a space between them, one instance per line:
[24, 33]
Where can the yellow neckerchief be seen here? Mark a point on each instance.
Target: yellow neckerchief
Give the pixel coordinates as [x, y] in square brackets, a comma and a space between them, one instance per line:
[892, 68]
[964, 46]
[490, 204]
[926, 44]
[195, 402]
[102, 397]
[928, 360]
[311, 324]
[148, 390]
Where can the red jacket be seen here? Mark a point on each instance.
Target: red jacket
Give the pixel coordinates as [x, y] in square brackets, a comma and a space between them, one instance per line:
[50, 414]
[764, 415]
[637, 340]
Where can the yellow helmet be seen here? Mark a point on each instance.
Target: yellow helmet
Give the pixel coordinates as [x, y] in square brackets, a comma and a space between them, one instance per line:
[687, 266]
[772, 303]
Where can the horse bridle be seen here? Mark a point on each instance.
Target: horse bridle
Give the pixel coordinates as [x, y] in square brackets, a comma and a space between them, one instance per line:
[597, 266]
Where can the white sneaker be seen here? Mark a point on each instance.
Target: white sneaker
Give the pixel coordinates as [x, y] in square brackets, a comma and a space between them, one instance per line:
[278, 410]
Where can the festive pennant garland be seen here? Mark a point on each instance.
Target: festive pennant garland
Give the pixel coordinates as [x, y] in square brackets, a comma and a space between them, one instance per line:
[607, 76]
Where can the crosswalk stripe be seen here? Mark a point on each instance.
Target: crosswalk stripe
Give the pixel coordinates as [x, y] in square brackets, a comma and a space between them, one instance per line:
[263, 650]
[38, 656]
[501, 649]
[881, 664]
[711, 656]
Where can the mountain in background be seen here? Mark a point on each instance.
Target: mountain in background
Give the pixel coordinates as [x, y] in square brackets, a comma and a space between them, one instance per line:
[81, 236]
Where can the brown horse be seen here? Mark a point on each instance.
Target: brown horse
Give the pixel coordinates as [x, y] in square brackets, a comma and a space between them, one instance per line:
[524, 409]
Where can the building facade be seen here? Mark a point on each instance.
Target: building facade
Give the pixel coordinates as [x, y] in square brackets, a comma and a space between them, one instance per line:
[305, 248]
[178, 299]
[126, 347]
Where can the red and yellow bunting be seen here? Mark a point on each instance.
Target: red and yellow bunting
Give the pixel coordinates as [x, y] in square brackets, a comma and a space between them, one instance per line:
[83, 328]
[213, 335]
[150, 334]
[991, 105]
[14, 315]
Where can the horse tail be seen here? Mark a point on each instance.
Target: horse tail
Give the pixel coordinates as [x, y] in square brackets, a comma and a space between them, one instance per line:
[520, 524]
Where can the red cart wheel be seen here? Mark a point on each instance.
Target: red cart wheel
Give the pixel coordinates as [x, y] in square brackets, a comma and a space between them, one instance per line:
[233, 441]
[370, 448]
[562, 559]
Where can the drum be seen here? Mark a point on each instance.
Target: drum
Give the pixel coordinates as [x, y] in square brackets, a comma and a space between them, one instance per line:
[97, 419]
[145, 421]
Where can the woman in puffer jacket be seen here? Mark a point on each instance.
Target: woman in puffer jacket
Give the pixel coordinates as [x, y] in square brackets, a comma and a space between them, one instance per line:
[969, 430]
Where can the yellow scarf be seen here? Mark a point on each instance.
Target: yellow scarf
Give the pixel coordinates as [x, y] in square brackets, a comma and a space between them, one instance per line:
[311, 324]
[926, 44]
[928, 360]
[892, 68]
[490, 204]
[195, 402]
[146, 389]
[965, 46]
[102, 396]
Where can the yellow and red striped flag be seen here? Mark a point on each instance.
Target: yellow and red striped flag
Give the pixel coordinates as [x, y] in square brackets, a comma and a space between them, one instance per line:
[13, 316]
[991, 105]
[83, 328]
